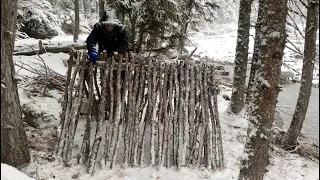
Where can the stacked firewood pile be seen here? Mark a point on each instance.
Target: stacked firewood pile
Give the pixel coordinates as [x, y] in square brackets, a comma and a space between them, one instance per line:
[144, 111]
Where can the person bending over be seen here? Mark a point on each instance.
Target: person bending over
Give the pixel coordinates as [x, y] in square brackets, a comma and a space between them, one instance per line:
[110, 35]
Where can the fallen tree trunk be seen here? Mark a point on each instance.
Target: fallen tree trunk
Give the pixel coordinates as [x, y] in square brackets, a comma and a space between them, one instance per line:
[62, 49]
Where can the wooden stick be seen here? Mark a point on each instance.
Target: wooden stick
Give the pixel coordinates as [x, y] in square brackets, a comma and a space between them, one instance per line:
[169, 135]
[163, 118]
[148, 111]
[186, 113]
[65, 100]
[139, 104]
[64, 131]
[196, 140]
[85, 148]
[191, 114]
[181, 114]
[219, 138]
[128, 116]
[203, 117]
[98, 135]
[135, 124]
[212, 116]
[159, 126]
[208, 135]
[75, 113]
[117, 123]
[176, 114]
[153, 105]
[96, 83]
[110, 123]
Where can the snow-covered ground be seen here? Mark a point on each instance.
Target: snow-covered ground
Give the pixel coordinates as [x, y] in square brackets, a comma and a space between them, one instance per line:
[284, 165]
[11, 173]
[221, 47]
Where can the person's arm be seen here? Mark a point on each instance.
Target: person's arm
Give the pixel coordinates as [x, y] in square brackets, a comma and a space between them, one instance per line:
[123, 42]
[92, 39]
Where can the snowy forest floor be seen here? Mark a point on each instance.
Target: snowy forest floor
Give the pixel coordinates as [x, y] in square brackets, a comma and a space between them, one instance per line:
[284, 165]
[44, 165]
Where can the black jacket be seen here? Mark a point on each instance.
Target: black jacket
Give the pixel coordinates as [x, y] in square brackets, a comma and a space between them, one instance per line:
[114, 41]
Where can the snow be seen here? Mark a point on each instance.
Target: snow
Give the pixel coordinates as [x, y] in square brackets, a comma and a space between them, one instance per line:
[22, 45]
[52, 60]
[274, 34]
[46, 106]
[290, 166]
[234, 132]
[284, 165]
[263, 42]
[10, 173]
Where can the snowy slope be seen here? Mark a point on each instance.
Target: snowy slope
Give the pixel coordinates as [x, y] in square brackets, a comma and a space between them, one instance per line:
[285, 166]
[11, 173]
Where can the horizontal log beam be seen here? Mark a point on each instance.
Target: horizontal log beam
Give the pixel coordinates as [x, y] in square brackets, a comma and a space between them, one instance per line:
[62, 49]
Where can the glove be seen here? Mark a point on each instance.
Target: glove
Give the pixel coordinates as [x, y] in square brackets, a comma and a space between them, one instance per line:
[93, 56]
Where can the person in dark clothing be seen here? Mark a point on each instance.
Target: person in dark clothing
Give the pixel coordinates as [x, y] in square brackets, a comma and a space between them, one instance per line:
[110, 35]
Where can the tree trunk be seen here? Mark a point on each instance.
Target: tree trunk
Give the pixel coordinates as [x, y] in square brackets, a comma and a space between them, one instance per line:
[293, 132]
[14, 145]
[256, 50]
[241, 57]
[101, 8]
[86, 6]
[77, 21]
[81, 6]
[140, 38]
[266, 89]
[98, 8]
[182, 38]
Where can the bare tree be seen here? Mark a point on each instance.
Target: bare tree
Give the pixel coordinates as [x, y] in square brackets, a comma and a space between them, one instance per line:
[14, 145]
[266, 89]
[77, 21]
[293, 132]
[241, 57]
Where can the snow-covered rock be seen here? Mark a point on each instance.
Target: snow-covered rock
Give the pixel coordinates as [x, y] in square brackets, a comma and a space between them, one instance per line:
[38, 20]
